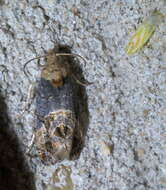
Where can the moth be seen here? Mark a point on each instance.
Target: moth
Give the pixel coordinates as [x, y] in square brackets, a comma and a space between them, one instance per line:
[59, 131]
[143, 33]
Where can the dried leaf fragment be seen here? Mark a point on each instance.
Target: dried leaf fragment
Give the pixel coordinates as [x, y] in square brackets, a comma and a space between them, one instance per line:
[106, 148]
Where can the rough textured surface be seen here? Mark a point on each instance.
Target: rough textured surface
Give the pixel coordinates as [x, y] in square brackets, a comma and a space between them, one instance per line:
[14, 171]
[126, 138]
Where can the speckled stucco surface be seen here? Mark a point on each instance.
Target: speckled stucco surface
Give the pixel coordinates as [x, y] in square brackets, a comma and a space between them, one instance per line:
[125, 146]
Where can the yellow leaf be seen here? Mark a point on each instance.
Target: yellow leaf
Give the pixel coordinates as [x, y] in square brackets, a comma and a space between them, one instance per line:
[143, 33]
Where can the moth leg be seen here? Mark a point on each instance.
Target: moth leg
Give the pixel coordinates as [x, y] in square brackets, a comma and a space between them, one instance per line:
[29, 99]
[4, 70]
[30, 144]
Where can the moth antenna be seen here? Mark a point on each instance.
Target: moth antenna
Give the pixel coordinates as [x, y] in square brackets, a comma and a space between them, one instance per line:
[81, 83]
[75, 78]
[57, 54]
[72, 54]
[30, 61]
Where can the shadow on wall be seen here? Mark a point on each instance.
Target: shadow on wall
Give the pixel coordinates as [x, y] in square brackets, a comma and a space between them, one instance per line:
[14, 172]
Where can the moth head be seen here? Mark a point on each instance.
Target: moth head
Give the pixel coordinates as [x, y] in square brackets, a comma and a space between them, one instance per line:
[53, 76]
